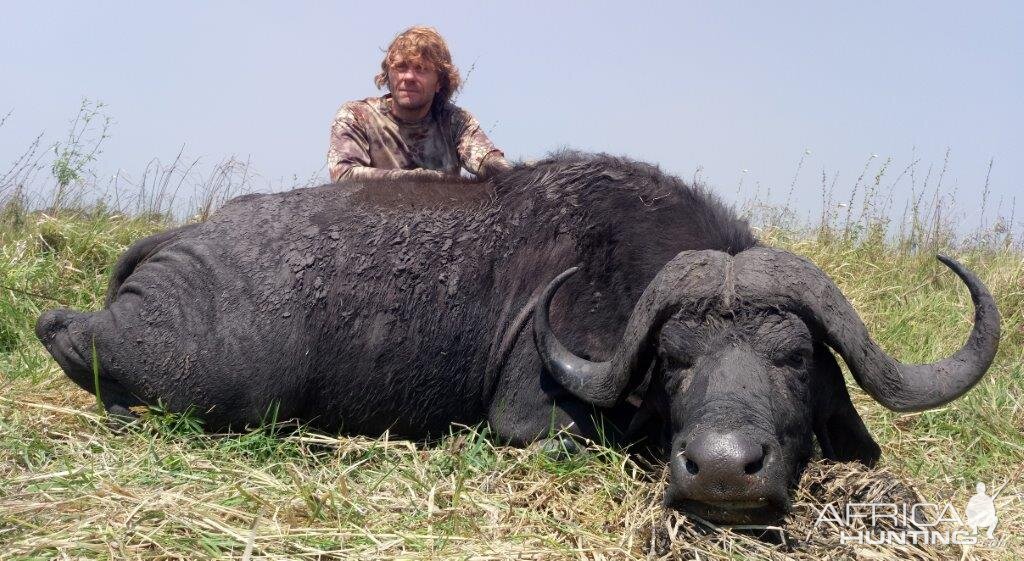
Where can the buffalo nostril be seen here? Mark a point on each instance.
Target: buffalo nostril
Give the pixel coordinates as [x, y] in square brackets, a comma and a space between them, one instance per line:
[692, 467]
[755, 466]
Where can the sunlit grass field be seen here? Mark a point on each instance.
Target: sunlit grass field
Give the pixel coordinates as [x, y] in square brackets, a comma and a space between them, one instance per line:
[74, 486]
[70, 487]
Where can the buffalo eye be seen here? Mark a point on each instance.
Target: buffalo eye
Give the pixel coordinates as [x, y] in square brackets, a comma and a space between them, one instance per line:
[678, 362]
[795, 358]
[675, 368]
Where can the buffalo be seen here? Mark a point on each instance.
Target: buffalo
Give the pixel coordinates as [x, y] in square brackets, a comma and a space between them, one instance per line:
[656, 318]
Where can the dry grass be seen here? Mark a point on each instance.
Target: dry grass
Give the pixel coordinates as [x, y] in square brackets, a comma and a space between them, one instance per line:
[163, 492]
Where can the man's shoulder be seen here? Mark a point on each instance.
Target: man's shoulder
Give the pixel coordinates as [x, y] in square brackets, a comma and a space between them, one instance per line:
[361, 109]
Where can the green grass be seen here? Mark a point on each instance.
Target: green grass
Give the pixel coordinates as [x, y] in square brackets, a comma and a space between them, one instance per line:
[55, 262]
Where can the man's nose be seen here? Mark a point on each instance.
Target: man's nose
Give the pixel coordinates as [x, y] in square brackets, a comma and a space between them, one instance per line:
[405, 75]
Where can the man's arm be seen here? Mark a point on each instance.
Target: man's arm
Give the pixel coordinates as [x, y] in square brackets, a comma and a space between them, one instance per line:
[477, 153]
[348, 156]
[349, 146]
[363, 172]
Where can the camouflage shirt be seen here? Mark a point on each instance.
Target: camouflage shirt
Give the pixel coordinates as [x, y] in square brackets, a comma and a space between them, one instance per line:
[367, 139]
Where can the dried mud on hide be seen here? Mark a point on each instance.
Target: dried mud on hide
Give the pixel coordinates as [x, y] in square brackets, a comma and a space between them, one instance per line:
[805, 534]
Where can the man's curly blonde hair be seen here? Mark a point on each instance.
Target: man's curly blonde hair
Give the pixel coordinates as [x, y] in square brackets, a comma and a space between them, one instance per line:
[424, 45]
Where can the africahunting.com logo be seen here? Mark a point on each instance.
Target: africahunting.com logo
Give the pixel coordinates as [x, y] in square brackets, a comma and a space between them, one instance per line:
[916, 524]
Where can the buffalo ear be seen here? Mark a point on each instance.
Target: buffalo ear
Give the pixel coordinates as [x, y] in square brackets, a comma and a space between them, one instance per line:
[839, 428]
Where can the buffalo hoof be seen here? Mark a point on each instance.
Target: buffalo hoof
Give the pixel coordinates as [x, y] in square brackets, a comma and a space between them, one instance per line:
[119, 417]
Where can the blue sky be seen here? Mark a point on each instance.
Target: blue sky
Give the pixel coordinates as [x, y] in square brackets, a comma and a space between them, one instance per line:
[724, 86]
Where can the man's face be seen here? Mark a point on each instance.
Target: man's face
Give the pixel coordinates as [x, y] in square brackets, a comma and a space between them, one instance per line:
[413, 83]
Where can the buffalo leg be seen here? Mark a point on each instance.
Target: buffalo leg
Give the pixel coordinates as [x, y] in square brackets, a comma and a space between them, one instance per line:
[72, 348]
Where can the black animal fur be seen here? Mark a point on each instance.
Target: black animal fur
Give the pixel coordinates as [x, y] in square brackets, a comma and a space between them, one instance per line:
[371, 306]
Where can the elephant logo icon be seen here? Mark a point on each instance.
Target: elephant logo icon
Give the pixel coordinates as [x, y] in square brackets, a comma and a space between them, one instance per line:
[981, 512]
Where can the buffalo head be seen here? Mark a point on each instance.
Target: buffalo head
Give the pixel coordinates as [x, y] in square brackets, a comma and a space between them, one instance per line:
[734, 354]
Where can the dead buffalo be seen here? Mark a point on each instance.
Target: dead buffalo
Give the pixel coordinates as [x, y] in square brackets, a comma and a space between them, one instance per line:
[364, 307]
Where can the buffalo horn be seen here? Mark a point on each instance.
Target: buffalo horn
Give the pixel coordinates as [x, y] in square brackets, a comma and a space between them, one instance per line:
[897, 386]
[691, 276]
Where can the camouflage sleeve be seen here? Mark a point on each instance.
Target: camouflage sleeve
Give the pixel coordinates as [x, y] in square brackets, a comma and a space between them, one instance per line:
[349, 146]
[362, 172]
[478, 154]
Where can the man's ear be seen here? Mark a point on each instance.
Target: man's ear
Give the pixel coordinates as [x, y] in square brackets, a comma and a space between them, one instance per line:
[840, 430]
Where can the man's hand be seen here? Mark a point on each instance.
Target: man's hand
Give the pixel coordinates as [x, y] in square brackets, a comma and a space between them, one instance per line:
[493, 164]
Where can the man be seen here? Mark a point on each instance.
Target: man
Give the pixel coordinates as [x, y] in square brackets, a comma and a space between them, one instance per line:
[414, 131]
